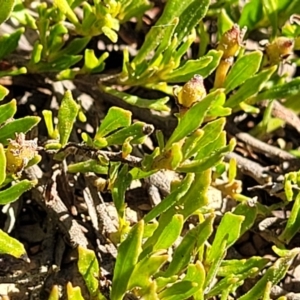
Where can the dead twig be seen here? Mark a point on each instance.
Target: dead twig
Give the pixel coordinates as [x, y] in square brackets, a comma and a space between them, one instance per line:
[275, 153]
[89, 152]
[283, 113]
[251, 168]
[58, 211]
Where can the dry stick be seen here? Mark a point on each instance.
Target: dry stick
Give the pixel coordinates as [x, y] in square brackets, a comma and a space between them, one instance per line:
[57, 209]
[159, 180]
[102, 225]
[53, 201]
[105, 224]
[84, 150]
[261, 147]
[250, 168]
[283, 113]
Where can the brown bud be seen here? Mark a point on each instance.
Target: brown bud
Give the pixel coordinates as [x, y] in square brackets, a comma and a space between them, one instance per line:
[19, 152]
[280, 49]
[231, 41]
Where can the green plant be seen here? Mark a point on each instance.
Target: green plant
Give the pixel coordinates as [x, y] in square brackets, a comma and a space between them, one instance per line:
[164, 255]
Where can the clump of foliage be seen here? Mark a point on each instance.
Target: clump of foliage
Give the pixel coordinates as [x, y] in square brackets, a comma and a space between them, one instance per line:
[164, 255]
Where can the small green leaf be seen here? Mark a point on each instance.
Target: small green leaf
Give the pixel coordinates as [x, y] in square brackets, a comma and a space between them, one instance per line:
[89, 269]
[136, 9]
[164, 46]
[179, 290]
[243, 69]
[218, 142]
[214, 265]
[190, 17]
[211, 132]
[56, 39]
[186, 249]
[198, 166]
[11, 246]
[229, 220]
[14, 192]
[178, 56]
[118, 189]
[115, 118]
[274, 274]
[63, 62]
[196, 197]
[186, 205]
[74, 293]
[193, 118]
[3, 92]
[111, 34]
[90, 59]
[252, 86]
[7, 111]
[288, 190]
[54, 146]
[232, 170]
[188, 70]
[35, 160]
[146, 268]
[66, 117]
[23, 125]
[137, 132]
[171, 199]
[228, 285]
[239, 266]
[13, 72]
[176, 156]
[271, 10]
[281, 91]
[196, 273]
[54, 294]
[127, 259]
[53, 134]
[224, 22]
[65, 8]
[281, 252]
[6, 9]
[90, 165]
[169, 234]
[293, 222]
[218, 109]
[190, 143]
[163, 282]
[9, 42]
[252, 13]
[164, 236]
[149, 229]
[158, 104]
[76, 46]
[156, 34]
[216, 57]
[36, 53]
[2, 165]
[249, 211]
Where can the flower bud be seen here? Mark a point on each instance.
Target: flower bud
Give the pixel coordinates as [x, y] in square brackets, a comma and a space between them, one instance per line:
[279, 50]
[231, 41]
[193, 91]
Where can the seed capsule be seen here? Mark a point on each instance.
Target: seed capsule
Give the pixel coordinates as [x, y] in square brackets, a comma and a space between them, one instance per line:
[19, 152]
[281, 48]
